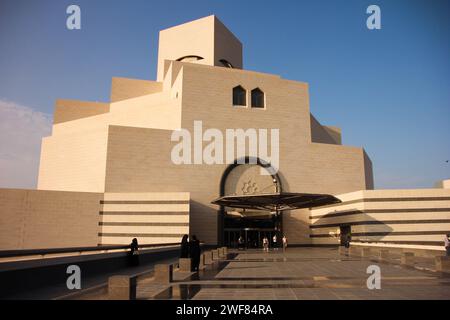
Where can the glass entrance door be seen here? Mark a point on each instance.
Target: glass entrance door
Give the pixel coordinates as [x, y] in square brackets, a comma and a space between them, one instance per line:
[252, 230]
[253, 237]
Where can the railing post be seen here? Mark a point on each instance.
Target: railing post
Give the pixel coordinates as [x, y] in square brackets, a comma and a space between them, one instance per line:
[354, 251]
[208, 257]
[215, 254]
[407, 259]
[442, 263]
[202, 261]
[163, 273]
[383, 255]
[122, 288]
[185, 264]
[366, 252]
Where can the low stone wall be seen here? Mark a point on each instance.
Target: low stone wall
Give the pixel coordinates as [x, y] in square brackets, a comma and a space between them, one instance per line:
[17, 278]
[418, 250]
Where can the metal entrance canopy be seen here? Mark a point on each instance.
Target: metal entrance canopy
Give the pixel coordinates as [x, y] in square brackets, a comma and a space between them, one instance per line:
[277, 201]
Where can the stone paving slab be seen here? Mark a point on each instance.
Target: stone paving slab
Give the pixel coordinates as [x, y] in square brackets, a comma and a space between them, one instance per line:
[147, 289]
[305, 274]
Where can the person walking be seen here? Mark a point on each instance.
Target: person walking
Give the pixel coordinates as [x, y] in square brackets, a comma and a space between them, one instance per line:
[274, 241]
[265, 244]
[184, 249]
[194, 252]
[284, 243]
[241, 243]
[447, 244]
[134, 253]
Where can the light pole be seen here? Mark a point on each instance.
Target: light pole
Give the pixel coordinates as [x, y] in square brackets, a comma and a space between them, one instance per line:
[275, 181]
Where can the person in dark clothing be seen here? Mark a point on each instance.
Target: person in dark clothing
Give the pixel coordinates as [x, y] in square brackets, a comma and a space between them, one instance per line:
[184, 253]
[348, 238]
[134, 253]
[194, 253]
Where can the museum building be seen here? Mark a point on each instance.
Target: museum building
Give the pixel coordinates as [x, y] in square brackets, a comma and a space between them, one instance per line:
[107, 173]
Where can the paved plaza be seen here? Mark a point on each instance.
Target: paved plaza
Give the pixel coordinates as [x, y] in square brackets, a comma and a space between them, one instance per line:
[300, 274]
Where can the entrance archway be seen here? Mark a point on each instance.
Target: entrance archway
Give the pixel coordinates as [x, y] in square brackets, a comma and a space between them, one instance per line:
[249, 161]
[243, 177]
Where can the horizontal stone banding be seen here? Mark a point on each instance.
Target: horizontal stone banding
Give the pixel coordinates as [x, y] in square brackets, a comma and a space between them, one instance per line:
[138, 224]
[398, 233]
[160, 213]
[391, 200]
[144, 201]
[144, 235]
[353, 212]
[376, 222]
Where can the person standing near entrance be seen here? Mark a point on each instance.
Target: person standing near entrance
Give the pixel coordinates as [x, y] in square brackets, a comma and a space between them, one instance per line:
[284, 243]
[447, 244]
[184, 250]
[134, 253]
[348, 239]
[274, 240]
[194, 253]
[265, 244]
[241, 243]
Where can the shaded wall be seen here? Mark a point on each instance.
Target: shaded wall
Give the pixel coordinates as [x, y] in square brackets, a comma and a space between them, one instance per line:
[32, 219]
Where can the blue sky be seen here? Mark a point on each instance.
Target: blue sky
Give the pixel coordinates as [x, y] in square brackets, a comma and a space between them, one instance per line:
[388, 89]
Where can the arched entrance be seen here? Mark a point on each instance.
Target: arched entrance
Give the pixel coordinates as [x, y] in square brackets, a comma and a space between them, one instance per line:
[245, 178]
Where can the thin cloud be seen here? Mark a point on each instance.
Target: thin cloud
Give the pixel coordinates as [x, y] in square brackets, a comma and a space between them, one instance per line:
[21, 131]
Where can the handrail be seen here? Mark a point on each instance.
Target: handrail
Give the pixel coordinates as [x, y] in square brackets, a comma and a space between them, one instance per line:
[32, 252]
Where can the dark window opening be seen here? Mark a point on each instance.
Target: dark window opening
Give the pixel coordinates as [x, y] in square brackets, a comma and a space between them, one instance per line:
[257, 98]
[239, 96]
[226, 63]
[189, 58]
